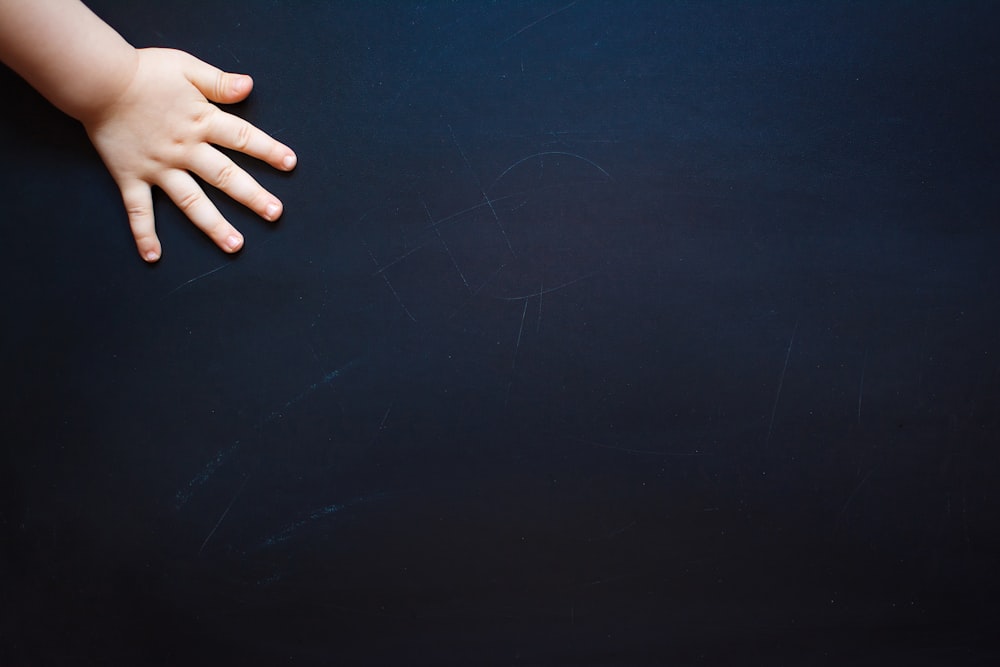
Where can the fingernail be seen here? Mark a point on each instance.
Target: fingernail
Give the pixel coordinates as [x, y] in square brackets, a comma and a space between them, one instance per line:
[233, 242]
[151, 256]
[272, 210]
[289, 161]
[241, 84]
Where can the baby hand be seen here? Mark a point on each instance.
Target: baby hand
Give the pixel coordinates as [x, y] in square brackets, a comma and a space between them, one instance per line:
[161, 130]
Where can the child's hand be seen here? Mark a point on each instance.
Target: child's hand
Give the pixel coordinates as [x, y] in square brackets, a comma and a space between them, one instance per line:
[162, 127]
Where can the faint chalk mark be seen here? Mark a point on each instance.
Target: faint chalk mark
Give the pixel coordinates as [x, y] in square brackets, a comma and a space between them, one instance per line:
[322, 382]
[224, 513]
[197, 278]
[446, 248]
[184, 494]
[536, 22]
[398, 298]
[470, 209]
[227, 50]
[381, 424]
[843, 510]
[450, 219]
[322, 307]
[476, 291]
[486, 197]
[229, 263]
[385, 278]
[489, 279]
[520, 330]
[781, 382]
[285, 534]
[382, 268]
[542, 291]
[291, 529]
[543, 154]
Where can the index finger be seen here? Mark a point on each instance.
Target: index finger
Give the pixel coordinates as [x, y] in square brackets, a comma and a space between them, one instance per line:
[230, 131]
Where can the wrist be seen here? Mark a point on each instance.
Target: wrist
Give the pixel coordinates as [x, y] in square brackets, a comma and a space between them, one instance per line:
[72, 57]
[107, 81]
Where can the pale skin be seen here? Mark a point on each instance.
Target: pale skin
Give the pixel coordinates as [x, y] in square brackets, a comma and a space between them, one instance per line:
[149, 113]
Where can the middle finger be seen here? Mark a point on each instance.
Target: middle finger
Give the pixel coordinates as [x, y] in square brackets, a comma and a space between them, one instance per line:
[221, 172]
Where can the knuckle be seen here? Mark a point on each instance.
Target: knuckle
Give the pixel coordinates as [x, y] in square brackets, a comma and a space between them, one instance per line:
[189, 201]
[137, 213]
[202, 115]
[243, 136]
[224, 177]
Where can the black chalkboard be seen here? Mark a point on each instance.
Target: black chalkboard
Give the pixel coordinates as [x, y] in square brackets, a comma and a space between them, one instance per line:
[593, 333]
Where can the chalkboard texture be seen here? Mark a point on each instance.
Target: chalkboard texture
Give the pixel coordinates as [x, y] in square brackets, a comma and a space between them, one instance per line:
[594, 333]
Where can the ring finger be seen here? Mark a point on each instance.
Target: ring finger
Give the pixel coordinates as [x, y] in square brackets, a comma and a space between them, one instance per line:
[182, 189]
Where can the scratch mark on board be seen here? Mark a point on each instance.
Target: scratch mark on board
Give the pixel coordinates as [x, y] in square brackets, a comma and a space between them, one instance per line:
[385, 278]
[781, 382]
[536, 22]
[847, 503]
[322, 382]
[381, 425]
[486, 197]
[232, 260]
[541, 291]
[520, 330]
[542, 155]
[197, 278]
[446, 248]
[288, 531]
[224, 513]
[184, 494]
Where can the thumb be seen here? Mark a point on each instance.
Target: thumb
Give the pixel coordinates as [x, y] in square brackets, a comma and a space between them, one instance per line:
[219, 86]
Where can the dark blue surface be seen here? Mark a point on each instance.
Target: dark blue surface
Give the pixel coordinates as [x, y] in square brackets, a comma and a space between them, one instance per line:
[593, 333]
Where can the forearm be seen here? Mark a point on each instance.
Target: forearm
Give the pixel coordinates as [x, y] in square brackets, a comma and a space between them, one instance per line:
[72, 57]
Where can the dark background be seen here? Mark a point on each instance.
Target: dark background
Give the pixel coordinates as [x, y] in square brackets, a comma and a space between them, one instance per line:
[719, 383]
